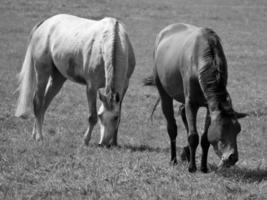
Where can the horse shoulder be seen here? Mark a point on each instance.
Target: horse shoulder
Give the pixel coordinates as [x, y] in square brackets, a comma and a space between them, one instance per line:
[131, 58]
[170, 31]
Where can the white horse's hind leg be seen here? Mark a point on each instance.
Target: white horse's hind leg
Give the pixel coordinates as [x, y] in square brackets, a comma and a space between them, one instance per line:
[54, 85]
[91, 98]
[43, 72]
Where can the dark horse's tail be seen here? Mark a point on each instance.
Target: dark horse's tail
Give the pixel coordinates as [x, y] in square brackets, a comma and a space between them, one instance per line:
[150, 81]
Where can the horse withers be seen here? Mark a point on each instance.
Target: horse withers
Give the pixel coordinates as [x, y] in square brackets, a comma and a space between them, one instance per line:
[190, 67]
[97, 54]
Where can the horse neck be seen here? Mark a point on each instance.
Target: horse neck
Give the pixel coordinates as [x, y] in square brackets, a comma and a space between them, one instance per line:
[120, 75]
[116, 72]
[213, 84]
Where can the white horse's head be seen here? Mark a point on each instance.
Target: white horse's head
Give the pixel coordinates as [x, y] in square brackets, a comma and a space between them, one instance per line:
[109, 117]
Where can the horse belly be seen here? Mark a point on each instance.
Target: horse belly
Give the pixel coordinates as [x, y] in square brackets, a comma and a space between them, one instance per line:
[69, 65]
[76, 65]
[173, 85]
[171, 80]
[74, 69]
[169, 71]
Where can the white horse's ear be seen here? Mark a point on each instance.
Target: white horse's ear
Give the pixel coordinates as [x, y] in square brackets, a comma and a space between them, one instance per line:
[102, 97]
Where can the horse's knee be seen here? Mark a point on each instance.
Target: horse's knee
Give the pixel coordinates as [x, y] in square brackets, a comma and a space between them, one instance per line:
[185, 155]
[193, 140]
[36, 105]
[172, 130]
[92, 119]
[204, 142]
[182, 109]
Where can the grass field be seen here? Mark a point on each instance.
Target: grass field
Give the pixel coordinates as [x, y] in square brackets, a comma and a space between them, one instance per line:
[62, 168]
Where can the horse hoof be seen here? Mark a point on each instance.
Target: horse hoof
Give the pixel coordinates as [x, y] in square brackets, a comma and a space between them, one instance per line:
[86, 141]
[192, 169]
[114, 144]
[185, 155]
[204, 169]
[37, 137]
[173, 162]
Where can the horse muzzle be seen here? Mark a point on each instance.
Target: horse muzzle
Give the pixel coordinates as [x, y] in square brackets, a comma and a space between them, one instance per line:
[228, 160]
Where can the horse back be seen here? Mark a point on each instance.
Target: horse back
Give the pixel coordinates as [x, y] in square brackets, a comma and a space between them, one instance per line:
[62, 41]
[75, 46]
[181, 52]
[174, 49]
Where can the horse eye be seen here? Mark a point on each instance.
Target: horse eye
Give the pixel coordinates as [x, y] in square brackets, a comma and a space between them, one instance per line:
[100, 116]
[115, 118]
[221, 143]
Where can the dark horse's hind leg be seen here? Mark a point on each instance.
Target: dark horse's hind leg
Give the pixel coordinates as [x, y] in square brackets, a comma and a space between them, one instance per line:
[193, 139]
[185, 155]
[205, 144]
[167, 108]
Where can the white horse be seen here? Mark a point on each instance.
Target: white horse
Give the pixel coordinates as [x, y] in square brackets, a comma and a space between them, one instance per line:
[96, 54]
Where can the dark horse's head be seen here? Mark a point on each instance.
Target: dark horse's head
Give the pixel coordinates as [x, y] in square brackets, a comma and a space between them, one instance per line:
[223, 131]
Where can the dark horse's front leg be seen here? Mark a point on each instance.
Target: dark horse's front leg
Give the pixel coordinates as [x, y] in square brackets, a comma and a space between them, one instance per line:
[204, 141]
[167, 109]
[193, 139]
[205, 144]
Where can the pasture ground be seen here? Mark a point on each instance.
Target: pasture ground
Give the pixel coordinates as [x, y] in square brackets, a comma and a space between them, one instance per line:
[62, 168]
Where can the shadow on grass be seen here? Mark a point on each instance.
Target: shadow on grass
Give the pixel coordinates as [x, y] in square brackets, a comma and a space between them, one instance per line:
[139, 148]
[133, 148]
[258, 112]
[242, 174]
[142, 148]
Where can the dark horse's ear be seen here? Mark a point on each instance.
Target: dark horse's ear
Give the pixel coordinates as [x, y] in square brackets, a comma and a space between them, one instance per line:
[240, 115]
[237, 114]
[116, 97]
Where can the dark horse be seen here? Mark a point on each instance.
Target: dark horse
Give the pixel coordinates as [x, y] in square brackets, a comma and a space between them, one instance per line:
[190, 67]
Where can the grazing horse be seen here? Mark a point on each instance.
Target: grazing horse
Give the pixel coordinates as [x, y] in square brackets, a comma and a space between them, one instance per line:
[190, 67]
[93, 53]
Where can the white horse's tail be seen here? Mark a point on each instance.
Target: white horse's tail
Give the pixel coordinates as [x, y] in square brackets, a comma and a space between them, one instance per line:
[27, 82]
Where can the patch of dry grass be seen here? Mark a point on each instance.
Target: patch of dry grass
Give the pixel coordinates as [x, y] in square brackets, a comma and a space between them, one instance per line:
[61, 168]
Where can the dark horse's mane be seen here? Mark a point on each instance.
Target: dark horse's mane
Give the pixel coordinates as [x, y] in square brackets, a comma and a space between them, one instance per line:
[213, 76]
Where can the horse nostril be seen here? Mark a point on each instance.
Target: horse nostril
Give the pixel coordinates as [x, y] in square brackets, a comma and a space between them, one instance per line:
[233, 158]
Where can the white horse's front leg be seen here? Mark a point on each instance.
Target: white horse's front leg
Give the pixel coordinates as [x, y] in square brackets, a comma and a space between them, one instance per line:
[91, 98]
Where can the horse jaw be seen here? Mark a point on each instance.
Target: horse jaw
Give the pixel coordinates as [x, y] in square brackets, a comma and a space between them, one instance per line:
[107, 130]
[102, 133]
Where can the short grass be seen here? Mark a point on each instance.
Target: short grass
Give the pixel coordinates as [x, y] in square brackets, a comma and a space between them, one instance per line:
[62, 168]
